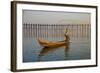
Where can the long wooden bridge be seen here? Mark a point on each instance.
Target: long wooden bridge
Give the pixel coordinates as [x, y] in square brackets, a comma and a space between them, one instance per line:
[75, 31]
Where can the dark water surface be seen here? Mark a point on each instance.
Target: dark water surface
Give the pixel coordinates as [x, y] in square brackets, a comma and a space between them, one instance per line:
[76, 50]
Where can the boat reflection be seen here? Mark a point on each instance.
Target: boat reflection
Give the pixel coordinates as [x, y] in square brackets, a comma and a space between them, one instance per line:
[46, 50]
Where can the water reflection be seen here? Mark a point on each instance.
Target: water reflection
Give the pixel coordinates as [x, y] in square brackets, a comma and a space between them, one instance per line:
[67, 47]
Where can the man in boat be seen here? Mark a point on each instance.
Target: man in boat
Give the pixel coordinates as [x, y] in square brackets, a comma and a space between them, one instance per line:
[67, 38]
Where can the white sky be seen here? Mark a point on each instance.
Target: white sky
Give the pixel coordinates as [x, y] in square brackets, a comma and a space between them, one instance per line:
[48, 17]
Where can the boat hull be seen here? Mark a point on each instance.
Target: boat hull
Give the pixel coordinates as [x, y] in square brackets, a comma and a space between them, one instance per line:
[46, 43]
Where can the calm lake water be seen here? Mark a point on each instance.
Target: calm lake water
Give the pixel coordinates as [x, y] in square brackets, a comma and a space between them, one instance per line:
[76, 50]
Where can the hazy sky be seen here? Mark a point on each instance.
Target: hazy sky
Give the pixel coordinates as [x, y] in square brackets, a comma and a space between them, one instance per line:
[50, 17]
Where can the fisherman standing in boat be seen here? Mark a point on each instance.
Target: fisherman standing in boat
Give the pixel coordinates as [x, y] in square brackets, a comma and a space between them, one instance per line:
[67, 38]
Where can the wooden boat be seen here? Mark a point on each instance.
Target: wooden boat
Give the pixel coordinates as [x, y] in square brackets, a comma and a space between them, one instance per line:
[46, 43]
